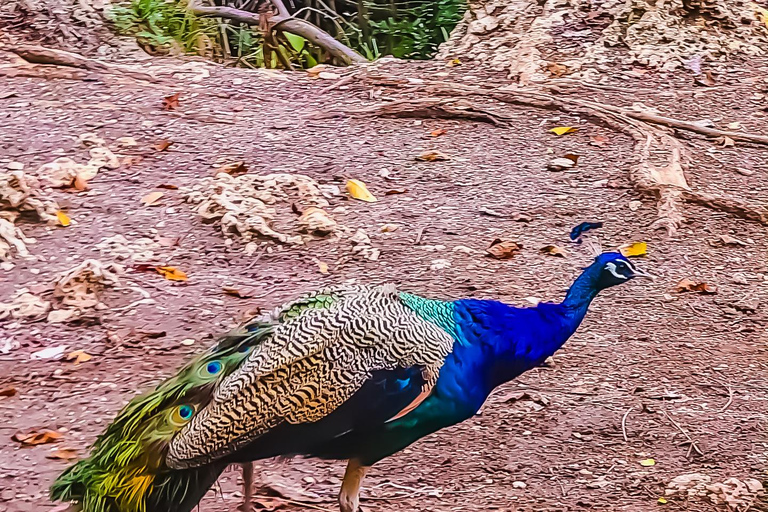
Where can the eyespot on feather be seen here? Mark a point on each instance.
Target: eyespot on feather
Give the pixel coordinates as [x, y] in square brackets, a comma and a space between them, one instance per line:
[213, 367]
[182, 414]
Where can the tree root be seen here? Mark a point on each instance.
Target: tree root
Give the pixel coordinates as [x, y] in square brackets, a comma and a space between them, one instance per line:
[445, 108]
[33, 55]
[295, 26]
[664, 179]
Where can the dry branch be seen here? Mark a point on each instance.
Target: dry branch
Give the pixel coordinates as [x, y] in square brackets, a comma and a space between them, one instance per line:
[295, 26]
[665, 181]
[50, 56]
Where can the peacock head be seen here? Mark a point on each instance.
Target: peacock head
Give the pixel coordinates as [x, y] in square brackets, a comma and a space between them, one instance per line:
[612, 268]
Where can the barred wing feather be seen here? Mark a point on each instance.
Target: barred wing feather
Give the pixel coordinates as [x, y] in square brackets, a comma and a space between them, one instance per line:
[325, 346]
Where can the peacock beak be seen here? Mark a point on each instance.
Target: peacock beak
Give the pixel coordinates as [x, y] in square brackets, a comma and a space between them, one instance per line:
[639, 273]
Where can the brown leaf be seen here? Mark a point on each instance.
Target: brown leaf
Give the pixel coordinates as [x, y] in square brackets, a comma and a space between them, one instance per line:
[553, 250]
[233, 169]
[395, 191]
[556, 69]
[162, 145]
[725, 142]
[171, 102]
[78, 357]
[168, 186]
[705, 80]
[8, 391]
[62, 454]
[237, 292]
[81, 182]
[130, 160]
[35, 437]
[431, 156]
[572, 157]
[152, 198]
[172, 273]
[438, 132]
[503, 249]
[598, 140]
[688, 285]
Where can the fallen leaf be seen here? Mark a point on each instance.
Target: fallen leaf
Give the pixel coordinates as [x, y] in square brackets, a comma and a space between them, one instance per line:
[130, 160]
[725, 142]
[327, 75]
[172, 273]
[50, 352]
[556, 69]
[598, 140]
[323, 267]
[438, 132]
[571, 156]
[553, 250]
[560, 164]
[647, 462]
[171, 102]
[562, 130]
[78, 357]
[634, 249]
[237, 292]
[729, 240]
[62, 454]
[503, 249]
[152, 198]
[168, 186]
[8, 391]
[81, 182]
[395, 191]
[162, 145]
[358, 190]
[454, 63]
[762, 15]
[63, 219]
[35, 437]
[705, 80]
[432, 156]
[233, 169]
[662, 500]
[688, 285]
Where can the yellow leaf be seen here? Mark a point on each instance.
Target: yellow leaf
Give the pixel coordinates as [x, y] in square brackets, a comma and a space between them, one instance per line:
[358, 190]
[63, 219]
[762, 15]
[562, 130]
[662, 500]
[172, 273]
[151, 198]
[634, 249]
[78, 356]
[648, 462]
[323, 266]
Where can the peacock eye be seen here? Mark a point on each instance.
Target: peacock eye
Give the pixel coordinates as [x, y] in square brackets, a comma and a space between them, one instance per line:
[244, 349]
[186, 412]
[213, 367]
[181, 415]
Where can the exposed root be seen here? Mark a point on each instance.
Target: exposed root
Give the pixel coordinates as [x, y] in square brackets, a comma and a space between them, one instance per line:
[662, 158]
[448, 108]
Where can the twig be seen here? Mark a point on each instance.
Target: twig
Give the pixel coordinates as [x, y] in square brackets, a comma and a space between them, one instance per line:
[690, 442]
[730, 399]
[562, 487]
[295, 26]
[624, 423]
[419, 234]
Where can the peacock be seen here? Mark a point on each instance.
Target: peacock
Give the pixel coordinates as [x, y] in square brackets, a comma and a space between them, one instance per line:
[347, 372]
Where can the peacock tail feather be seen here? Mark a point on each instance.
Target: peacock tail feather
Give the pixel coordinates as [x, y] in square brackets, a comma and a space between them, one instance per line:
[295, 365]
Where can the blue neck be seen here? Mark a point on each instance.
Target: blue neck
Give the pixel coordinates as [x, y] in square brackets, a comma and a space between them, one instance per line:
[580, 295]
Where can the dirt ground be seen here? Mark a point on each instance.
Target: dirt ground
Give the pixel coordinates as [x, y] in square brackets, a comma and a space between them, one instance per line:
[551, 440]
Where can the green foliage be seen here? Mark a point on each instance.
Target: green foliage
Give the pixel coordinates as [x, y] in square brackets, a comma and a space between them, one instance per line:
[413, 31]
[164, 24]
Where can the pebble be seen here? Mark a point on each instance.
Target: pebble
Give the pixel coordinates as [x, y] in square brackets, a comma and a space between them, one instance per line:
[187, 342]
[519, 485]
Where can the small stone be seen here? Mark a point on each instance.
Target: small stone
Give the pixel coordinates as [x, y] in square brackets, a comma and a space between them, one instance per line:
[635, 205]
[519, 485]
[188, 342]
[15, 166]
[560, 164]
[440, 264]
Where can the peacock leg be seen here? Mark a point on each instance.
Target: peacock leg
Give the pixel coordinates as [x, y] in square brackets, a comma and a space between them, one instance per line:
[247, 486]
[349, 497]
